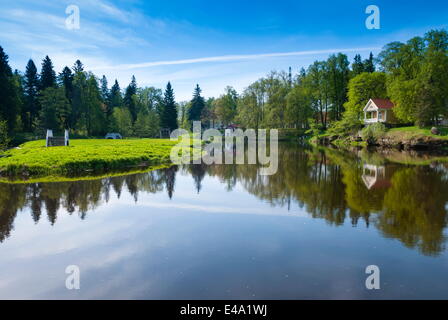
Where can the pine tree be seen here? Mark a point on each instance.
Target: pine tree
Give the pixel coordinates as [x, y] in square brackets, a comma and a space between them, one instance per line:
[104, 90]
[357, 66]
[115, 101]
[169, 112]
[369, 64]
[55, 110]
[95, 117]
[9, 99]
[47, 75]
[65, 79]
[129, 101]
[78, 66]
[31, 87]
[197, 105]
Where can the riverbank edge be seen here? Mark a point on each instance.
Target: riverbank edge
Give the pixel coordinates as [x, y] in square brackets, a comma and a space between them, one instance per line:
[410, 139]
[32, 162]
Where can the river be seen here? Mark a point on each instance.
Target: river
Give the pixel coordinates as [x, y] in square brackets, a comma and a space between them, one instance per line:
[226, 232]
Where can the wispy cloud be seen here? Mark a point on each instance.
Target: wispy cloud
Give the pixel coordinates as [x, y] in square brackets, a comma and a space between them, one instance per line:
[227, 58]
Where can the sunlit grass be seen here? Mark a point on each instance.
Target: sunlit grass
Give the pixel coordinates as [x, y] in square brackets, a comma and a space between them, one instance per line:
[84, 156]
[412, 132]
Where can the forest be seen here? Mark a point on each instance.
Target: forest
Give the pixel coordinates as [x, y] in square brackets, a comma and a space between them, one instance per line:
[328, 96]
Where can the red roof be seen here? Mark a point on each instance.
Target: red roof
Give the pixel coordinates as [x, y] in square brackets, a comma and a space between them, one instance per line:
[383, 103]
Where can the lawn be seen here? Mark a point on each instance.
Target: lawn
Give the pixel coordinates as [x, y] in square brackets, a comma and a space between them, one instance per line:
[415, 132]
[33, 159]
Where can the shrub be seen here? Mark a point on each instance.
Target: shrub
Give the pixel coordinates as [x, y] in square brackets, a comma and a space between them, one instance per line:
[348, 125]
[373, 132]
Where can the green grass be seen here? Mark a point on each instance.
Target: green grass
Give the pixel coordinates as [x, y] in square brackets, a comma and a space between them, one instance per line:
[415, 132]
[83, 157]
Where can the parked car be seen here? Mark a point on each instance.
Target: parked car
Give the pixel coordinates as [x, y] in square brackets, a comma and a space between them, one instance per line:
[113, 136]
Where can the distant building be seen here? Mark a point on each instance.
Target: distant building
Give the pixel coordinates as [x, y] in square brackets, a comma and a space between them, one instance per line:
[379, 110]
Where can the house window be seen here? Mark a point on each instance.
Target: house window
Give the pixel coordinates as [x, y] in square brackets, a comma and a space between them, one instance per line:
[380, 115]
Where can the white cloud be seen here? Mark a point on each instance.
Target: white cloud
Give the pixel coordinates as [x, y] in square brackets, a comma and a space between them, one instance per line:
[231, 58]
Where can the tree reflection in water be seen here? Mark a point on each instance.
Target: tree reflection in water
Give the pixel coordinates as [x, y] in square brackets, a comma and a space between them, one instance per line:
[404, 202]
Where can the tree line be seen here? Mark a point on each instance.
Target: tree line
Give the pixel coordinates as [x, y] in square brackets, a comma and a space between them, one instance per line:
[32, 102]
[329, 94]
[332, 93]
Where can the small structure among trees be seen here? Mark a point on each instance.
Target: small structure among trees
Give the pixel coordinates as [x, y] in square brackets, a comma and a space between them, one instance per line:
[379, 110]
[165, 133]
[52, 141]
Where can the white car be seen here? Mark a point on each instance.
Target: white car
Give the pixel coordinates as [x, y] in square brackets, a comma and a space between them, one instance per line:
[113, 136]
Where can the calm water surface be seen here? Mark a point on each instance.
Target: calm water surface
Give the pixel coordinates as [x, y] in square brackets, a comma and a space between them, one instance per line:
[225, 232]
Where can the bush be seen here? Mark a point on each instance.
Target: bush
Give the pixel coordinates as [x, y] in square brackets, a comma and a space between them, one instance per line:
[348, 125]
[373, 132]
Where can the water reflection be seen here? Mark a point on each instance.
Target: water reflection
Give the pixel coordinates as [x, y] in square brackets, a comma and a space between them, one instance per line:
[403, 202]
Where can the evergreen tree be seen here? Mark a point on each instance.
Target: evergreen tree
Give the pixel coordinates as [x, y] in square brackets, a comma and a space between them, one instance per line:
[78, 66]
[197, 105]
[169, 111]
[65, 79]
[129, 99]
[55, 110]
[369, 64]
[104, 90]
[357, 65]
[31, 87]
[94, 114]
[47, 75]
[115, 101]
[9, 99]
[18, 81]
[78, 98]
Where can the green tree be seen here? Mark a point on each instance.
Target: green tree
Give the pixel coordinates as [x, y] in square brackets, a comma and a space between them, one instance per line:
[78, 67]
[339, 76]
[369, 64]
[317, 81]
[148, 101]
[77, 118]
[115, 101]
[357, 66]
[298, 107]
[122, 121]
[250, 112]
[197, 105]
[9, 93]
[225, 107]
[65, 79]
[47, 74]
[169, 113]
[129, 101]
[362, 88]
[95, 115]
[55, 110]
[417, 77]
[104, 90]
[31, 88]
[4, 138]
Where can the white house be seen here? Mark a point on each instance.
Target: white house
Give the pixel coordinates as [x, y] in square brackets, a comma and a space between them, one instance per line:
[379, 110]
[374, 177]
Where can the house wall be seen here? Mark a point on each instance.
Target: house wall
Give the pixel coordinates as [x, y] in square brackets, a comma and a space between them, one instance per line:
[391, 118]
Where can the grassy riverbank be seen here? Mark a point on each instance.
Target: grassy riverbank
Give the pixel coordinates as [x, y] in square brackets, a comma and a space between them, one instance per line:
[401, 137]
[33, 159]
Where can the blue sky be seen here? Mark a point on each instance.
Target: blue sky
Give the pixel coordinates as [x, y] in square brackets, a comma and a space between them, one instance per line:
[213, 43]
